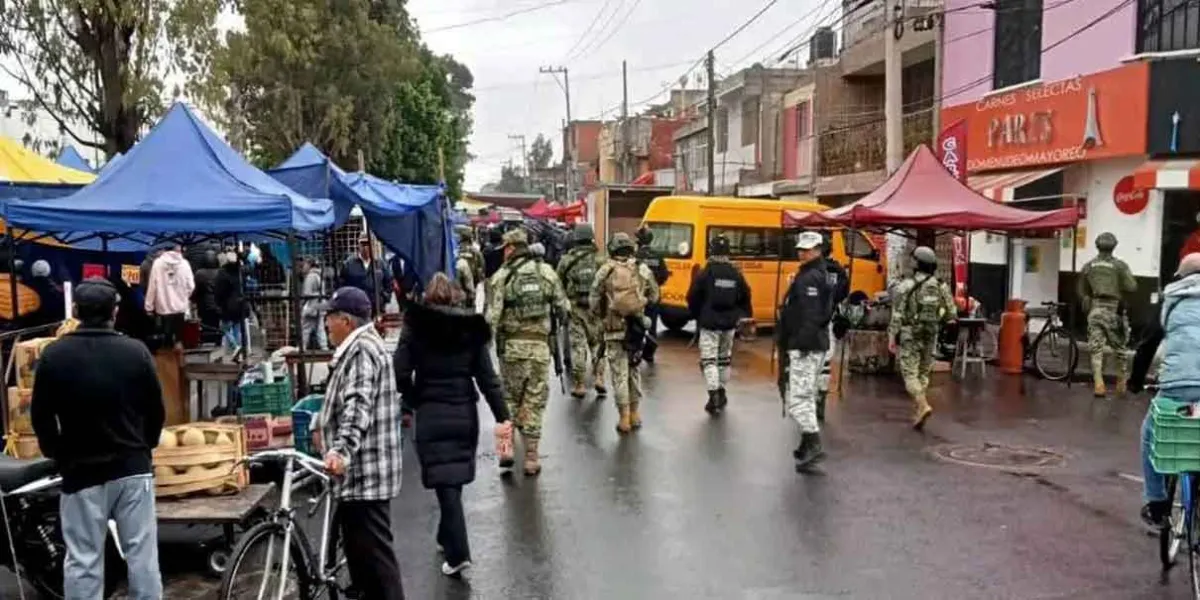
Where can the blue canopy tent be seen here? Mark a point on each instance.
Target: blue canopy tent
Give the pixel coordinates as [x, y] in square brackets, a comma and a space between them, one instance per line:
[70, 157]
[182, 179]
[411, 220]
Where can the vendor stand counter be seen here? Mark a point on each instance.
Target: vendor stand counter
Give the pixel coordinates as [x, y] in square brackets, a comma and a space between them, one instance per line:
[296, 358]
[233, 514]
[198, 368]
[867, 351]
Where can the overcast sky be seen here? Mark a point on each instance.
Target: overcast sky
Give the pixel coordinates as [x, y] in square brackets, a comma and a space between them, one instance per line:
[660, 39]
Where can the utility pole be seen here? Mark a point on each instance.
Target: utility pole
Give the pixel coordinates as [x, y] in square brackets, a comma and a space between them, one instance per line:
[625, 150]
[569, 151]
[893, 116]
[710, 68]
[524, 157]
[939, 55]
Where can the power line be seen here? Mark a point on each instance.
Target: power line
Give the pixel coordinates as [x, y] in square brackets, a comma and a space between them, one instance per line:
[603, 28]
[588, 30]
[618, 27]
[502, 17]
[743, 26]
[810, 13]
[588, 77]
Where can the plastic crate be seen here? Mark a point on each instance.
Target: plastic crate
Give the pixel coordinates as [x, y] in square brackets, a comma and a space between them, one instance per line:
[267, 398]
[303, 414]
[1176, 447]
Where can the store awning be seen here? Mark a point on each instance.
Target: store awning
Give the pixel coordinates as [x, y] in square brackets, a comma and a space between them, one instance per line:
[1168, 175]
[1000, 186]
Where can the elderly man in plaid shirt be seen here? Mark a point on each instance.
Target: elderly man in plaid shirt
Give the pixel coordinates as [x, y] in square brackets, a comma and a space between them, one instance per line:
[360, 431]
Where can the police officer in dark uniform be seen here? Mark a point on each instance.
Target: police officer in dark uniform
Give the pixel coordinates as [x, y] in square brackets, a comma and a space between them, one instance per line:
[658, 266]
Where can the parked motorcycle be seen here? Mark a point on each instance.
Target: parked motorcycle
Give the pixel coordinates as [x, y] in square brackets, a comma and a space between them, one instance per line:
[31, 541]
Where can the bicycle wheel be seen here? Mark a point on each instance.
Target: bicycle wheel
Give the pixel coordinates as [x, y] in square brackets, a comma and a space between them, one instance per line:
[1055, 354]
[254, 571]
[1172, 536]
[1190, 525]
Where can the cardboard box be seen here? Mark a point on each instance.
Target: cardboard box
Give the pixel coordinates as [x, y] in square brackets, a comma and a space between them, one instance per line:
[27, 354]
[17, 405]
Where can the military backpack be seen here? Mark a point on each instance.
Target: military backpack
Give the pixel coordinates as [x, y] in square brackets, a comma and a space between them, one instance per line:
[623, 289]
[924, 302]
[526, 292]
[580, 273]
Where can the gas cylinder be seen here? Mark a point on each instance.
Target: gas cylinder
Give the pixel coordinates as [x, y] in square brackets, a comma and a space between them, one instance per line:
[1010, 356]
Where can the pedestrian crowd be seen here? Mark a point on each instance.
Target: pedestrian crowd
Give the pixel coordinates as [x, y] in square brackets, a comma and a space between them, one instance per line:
[600, 305]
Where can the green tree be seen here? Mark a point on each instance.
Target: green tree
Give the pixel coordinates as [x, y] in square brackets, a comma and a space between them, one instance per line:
[316, 71]
[101, 68]
[541, 153]
[511, 180]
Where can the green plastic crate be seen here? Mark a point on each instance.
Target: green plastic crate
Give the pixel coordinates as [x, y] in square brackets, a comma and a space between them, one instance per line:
[1176, 447]
[267, 398]
[302, 415]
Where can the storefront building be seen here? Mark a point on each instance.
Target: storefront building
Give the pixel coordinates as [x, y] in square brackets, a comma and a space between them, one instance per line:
[1043, 145]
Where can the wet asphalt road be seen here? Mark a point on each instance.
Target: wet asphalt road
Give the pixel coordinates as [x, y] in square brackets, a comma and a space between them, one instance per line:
[695, 507]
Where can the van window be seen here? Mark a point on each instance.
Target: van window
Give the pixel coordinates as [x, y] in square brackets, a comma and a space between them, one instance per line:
[749, 242]
[858, 245]
[672, 240]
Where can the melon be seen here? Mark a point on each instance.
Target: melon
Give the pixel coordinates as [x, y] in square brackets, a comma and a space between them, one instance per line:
[167, 439]
[163, 472]
[192, 437]
[223, 439]
[196, 470]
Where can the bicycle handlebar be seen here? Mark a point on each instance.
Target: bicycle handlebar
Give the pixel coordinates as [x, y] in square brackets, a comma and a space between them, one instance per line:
[306, 462]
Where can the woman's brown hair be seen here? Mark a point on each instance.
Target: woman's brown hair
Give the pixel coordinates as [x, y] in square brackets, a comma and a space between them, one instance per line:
[443, 291]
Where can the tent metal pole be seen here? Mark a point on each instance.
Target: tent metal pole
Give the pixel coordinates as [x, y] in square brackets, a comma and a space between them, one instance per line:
[1071, 309]
[12, 270]
[294, 297]
[850, 285]
[778, 278]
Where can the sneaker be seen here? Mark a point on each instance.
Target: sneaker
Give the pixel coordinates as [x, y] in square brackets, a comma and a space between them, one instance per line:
[455, 571]
[1155, 513]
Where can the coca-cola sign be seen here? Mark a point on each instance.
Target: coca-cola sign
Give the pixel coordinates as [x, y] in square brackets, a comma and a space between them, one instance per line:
[951, 149]
[1130, 199]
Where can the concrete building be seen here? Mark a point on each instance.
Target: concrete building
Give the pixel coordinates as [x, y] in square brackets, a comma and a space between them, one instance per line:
[747, 133]
[637, 147]
[1054, 103]
[36, 129]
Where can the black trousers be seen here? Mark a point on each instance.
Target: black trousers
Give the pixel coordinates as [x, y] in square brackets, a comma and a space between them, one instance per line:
[452, 528]
[366, 528]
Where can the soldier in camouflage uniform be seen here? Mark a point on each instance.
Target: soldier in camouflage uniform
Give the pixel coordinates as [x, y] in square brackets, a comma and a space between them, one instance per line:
[468, 264]
[1103, 284]
[524, 294]
[577, 272]
[921, 306]
[618, 280]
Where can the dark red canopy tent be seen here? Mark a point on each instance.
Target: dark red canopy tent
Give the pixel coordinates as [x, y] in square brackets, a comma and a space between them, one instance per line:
[539, 210]
[923, 194]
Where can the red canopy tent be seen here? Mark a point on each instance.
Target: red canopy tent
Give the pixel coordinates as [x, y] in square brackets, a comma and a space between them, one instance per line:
[539, 209]
[568, 213]
[923, 194]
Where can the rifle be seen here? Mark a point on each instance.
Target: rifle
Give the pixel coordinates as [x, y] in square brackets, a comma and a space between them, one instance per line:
[568, 365]
[556, 350]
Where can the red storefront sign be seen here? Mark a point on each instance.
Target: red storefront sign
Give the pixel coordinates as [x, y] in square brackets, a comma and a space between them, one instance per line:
[1129, 199]
[951, 150]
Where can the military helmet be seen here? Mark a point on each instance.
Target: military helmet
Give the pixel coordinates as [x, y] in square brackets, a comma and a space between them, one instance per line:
[644, 235]
[1106, 242]
[718, 246]
[621, 241]
[925, 255]
[516, 237]
[582, 233]
[463, 232]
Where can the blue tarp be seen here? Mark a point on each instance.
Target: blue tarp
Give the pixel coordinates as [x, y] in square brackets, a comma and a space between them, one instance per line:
[70, 157]
[182, 178]
[411, 220]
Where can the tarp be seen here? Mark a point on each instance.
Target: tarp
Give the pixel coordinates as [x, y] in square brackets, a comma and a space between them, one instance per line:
[923, 194]
[71, 158]
[112, 162]
[411, 220]
[182, 178]
[539, 210]
[19, 164]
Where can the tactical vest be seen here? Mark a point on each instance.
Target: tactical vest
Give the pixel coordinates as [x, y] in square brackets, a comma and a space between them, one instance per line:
[723, 287]
[579, 274]
[526, 292]
[1103, 279]
[924, 303]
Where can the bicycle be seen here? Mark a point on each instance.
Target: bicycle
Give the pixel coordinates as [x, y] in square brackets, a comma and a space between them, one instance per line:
[287, 548]
[1054, 351]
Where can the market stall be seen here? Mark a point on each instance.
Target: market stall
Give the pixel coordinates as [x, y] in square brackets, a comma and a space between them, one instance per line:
[923, 195]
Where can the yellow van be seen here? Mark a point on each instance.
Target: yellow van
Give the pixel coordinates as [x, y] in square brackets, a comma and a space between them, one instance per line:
[682, 226]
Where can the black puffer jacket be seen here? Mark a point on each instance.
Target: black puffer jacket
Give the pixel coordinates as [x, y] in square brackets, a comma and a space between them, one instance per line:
[719, 296]
[441, 357]
[807, 309]
[227, 293]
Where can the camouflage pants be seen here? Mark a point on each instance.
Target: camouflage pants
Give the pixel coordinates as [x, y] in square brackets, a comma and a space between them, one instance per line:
[526, 388]
[914, 357]
[585, 337]
[804, 369]
[626, 380]
[1108, 333]
[716, 355]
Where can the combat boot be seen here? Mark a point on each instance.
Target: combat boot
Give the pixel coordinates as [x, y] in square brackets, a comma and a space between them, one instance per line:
[623, 425]
[714, 397]
[722, 399]
[1098, 388]
[923, 412]
[579, 391]
[809, 452]
[601, 391]
[532, 466]
[635, 418]
[1122, 387]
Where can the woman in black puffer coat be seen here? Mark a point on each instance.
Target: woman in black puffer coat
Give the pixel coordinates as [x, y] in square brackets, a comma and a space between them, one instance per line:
[441, 356]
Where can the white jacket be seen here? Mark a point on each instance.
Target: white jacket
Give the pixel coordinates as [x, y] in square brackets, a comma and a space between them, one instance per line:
[169, 291]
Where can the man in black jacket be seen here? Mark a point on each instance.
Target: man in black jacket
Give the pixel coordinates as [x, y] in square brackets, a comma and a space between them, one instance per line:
[97, 411]
[839, 283]
[804, 327]
[718, 299]
[658, 266]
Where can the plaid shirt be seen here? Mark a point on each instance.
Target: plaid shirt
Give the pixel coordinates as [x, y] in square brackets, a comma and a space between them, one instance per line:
[360, 419]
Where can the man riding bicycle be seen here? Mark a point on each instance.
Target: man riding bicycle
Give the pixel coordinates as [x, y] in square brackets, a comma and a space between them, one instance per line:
[1179, 375]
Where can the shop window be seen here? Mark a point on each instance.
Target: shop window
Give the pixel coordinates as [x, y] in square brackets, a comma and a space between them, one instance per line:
[722, 132]
[1168, 25]
[1017, 42]
[750, 115]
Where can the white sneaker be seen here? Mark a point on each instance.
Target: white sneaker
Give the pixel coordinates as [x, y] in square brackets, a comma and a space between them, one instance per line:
[457, 570]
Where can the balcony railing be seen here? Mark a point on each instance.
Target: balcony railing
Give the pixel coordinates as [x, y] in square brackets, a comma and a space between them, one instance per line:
[868, 19]
[858, 147]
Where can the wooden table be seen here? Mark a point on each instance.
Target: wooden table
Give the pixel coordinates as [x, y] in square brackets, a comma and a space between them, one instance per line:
[307, 357]
[230, 513]
[208, 371]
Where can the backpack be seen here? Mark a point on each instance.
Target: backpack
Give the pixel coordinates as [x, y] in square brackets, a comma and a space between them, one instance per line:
[623, 289]
[579, 275]
[927, 294]
[722, 290]
[525, 291]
